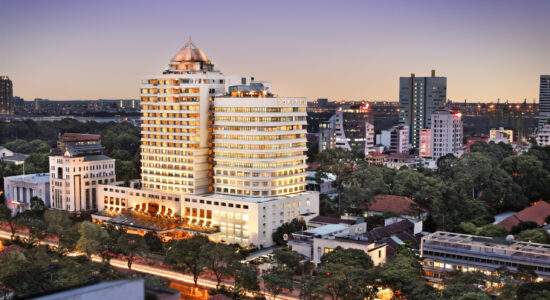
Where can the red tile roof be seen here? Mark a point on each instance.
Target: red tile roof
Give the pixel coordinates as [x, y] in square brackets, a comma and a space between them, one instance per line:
[377, 154]
[331, 220]
[535, 213]
[402, 205]
[75, 137]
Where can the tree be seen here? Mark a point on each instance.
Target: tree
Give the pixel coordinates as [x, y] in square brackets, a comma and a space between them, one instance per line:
[6, 215]
[220, 259]
[186, 255]
[92, 237]
[348, 257]
[153, 241]
[131, 246]
[60, 224]
[459, 284]
[37, 206]
[524, 226]
[534, 236]
[289, 259]
[278, 279]
[528, 172]
[287, 228]
[247, 278]
[491, 230]
[403, 271]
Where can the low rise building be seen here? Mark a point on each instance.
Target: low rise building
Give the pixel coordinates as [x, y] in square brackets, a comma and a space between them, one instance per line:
[18, 190]
[445, 252]
[536, 213]
[394, 160]
[404, 206]
[325, 187]
[500, 134]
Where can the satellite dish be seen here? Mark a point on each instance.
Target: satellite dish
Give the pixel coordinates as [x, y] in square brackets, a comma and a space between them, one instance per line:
[285, 237]
[510, 238]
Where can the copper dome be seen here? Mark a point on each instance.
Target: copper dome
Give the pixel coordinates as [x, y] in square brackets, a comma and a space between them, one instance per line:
[190, 53]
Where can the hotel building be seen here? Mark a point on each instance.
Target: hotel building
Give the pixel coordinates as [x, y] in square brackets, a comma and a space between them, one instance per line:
[220, 155]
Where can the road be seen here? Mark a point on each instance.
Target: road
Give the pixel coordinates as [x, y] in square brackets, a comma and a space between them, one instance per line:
[168, 274]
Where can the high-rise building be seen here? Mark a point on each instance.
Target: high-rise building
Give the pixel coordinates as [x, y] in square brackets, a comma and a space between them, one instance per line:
[221, 155]
[544, 100]
[369, 138]
[447, 131]
[419, 97]
[399, 139]
[425, 146]
[177, 109]
[6, 96]
[259, 143]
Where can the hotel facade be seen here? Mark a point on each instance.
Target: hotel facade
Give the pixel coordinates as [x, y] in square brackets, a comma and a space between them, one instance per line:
[219, 155]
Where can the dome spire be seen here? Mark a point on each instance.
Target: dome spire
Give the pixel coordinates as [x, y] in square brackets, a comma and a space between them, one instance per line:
[190, 58]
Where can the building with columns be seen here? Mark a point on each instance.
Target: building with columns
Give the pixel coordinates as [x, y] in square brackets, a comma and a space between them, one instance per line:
[221, 156]
[18, 190]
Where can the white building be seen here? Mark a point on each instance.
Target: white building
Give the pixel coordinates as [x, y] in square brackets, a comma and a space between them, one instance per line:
[425, 146]
[446, 134]
[74, 180]
[501, 135]
[18, 190]
[543, 135]
[215, 155]
[4, 152]
[399, 139]
[369, 138]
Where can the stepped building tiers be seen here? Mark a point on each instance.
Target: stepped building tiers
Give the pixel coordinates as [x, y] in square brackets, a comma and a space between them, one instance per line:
[77, 167]
[220, 155]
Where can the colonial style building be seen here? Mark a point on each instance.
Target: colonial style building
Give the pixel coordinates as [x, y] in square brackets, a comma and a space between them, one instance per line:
[76, 172]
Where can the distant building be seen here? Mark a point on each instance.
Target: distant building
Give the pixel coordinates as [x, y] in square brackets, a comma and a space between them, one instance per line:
[6, 96]
[18, 190]
[536, 213]
[446, 252]
[399, 139]
[394, 160]
[543, 135]
[350, 128]
[544, 100]
[419, 98]
[5, 152]
[369, 138]
[325, 187]
[425, 146]
[403, 206]
[497, 135]
[77, 170]
[446, 134]
[15, 158]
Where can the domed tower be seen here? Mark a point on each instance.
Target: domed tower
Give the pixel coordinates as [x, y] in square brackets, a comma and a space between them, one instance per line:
[176, 109]
[189, 59]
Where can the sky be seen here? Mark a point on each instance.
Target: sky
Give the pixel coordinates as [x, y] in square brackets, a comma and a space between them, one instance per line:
[341, 50]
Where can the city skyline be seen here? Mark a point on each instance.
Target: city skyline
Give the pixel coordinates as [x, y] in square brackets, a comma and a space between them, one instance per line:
[352, 51]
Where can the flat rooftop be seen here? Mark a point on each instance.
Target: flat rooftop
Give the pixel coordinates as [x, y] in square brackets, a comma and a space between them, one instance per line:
[488, 245]
[34, 178]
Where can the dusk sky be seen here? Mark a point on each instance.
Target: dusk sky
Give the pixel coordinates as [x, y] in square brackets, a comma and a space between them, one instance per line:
[341, 50]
